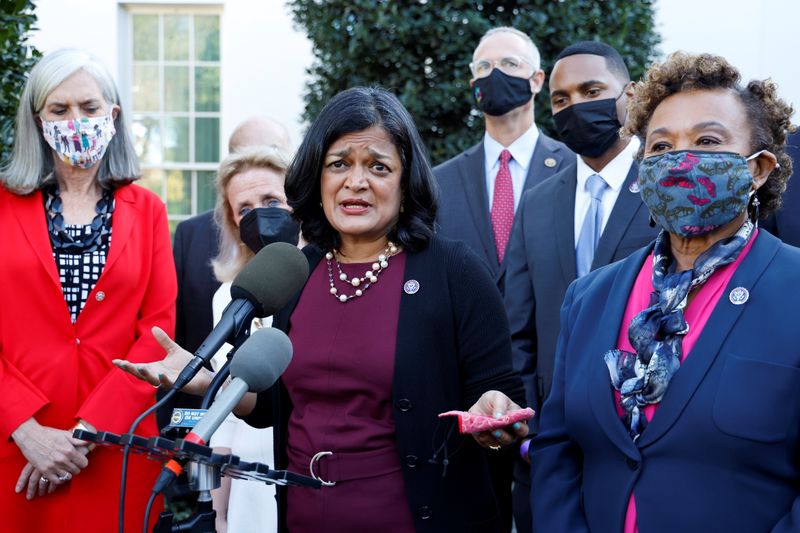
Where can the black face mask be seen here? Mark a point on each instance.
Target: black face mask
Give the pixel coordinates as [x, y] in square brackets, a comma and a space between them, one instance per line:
[589, 128]
[265, 225]
[498, 93]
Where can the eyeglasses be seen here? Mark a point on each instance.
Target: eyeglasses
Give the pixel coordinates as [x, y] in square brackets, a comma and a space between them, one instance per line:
[511, 65]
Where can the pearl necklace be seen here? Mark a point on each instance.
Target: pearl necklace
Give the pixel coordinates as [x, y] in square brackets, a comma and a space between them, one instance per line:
[363, 283]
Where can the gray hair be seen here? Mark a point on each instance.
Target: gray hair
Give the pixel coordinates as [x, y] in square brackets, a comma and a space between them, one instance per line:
[534, 57]
[233, 253]
[32, 159]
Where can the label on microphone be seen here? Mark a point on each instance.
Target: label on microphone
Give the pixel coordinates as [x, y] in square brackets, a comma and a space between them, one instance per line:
[186, 418]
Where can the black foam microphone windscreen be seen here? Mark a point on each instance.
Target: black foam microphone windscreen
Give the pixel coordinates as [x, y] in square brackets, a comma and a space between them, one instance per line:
[276, 273]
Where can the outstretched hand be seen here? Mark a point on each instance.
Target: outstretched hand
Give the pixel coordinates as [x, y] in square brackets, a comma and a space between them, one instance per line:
[164, 373]
[495, 403]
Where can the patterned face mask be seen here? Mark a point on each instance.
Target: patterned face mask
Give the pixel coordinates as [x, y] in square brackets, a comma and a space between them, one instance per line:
[79, 142]
[692, 193]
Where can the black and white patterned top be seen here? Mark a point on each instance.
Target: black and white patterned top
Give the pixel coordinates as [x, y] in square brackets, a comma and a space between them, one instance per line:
[79, 251]
[79, 272]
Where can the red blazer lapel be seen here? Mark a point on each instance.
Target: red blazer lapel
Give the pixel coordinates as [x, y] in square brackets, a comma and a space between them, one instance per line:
[31, 218]
[121, 223]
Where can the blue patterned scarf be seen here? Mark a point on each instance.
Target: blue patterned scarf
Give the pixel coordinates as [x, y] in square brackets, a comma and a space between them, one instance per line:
[657, 332]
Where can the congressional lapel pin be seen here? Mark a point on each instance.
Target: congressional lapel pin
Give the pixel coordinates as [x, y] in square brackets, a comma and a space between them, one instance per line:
[634, 187]
[411, 286]
[739, 295]
[550, 162]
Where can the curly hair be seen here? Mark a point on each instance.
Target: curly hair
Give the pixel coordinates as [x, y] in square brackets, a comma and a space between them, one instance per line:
[768, 115]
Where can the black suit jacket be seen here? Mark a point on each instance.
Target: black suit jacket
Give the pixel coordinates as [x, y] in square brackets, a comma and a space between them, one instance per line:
[785, 224]
[541, 264]
[195, 245]
[452, 345]
[464, 211]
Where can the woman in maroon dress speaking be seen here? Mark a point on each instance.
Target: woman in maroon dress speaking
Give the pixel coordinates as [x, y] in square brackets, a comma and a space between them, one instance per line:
[394, 326]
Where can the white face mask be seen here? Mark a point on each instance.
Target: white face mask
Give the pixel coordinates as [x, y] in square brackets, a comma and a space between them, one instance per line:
[79, 142]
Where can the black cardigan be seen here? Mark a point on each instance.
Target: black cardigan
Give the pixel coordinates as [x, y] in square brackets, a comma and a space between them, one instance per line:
[453, 344]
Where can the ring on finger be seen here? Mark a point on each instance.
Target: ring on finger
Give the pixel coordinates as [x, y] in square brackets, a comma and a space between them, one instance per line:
[65, 477]
[43, 480]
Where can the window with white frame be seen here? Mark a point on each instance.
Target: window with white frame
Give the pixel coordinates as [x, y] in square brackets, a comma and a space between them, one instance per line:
[175, 93]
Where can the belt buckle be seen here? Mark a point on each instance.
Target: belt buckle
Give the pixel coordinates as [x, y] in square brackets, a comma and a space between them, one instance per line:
[315, 459]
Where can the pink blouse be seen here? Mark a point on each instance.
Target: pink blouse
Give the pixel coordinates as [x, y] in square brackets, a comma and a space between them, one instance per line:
[696, 314]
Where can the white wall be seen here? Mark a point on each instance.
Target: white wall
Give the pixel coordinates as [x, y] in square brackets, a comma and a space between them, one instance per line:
[87, 24]
[263, 65]
[759, 37]
[263, 57]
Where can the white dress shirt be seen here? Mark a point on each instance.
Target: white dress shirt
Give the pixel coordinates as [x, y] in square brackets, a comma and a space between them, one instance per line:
[614, 174]
[521, 154]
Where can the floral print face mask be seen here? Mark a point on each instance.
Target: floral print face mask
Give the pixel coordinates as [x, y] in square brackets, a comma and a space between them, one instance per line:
[692, 193]
[79, 142]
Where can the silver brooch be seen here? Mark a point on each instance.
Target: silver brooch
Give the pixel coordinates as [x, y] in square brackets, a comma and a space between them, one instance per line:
[634, 187]
[550, 162]
[739, 295]
[411, 286]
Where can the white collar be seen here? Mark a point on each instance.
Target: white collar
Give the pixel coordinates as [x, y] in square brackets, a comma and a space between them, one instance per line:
[615, 172]
[521, 149]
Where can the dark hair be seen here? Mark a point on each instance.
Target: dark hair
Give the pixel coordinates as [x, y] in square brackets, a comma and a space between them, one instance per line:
[768, 115]
[350, 111]
[614, 61]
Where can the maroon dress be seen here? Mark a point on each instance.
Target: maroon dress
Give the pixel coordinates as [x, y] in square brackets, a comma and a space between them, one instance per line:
[340, 383]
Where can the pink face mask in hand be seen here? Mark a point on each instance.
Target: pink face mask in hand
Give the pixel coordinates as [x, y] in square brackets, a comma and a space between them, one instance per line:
[475, 423]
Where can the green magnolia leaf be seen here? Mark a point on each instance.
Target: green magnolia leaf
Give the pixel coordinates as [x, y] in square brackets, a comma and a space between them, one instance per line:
[17, 57]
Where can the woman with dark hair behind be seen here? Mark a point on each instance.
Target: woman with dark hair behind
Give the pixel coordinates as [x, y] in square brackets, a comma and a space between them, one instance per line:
[677, 380]
[393, 327]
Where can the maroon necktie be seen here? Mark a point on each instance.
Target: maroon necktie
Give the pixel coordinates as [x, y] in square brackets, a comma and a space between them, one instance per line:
[502, 206]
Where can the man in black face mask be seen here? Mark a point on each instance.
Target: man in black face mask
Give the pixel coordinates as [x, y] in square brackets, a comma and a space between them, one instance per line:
[586, 216]
[481, 187]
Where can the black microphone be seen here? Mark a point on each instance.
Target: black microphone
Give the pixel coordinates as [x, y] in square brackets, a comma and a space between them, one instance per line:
[265, 285]
[256, 366]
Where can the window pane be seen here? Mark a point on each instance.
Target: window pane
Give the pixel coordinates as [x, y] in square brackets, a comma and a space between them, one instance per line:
[145, 37]
[153, 179]
[145, 88]
[206, 89]
[206, 37]
[179, 192]
[206, 134]
[176, 37]
[176, 139]
[176, 88]
[206, 192]
[147, 139]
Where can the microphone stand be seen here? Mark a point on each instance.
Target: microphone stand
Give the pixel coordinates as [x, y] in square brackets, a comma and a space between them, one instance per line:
[203, 477]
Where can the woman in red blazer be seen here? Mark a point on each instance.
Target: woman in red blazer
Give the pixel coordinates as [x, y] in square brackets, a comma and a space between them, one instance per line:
[86, 271]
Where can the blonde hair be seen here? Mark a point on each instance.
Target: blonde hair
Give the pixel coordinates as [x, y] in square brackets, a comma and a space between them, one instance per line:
[233, 253]
[32, 159]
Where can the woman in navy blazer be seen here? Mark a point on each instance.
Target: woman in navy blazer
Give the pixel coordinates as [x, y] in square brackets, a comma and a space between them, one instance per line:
[637, 434]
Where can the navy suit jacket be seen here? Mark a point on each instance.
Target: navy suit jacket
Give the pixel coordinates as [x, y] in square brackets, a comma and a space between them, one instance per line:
[721, 452]
[195, 245]
[464, 203]
[785, 224]
[540, 265]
